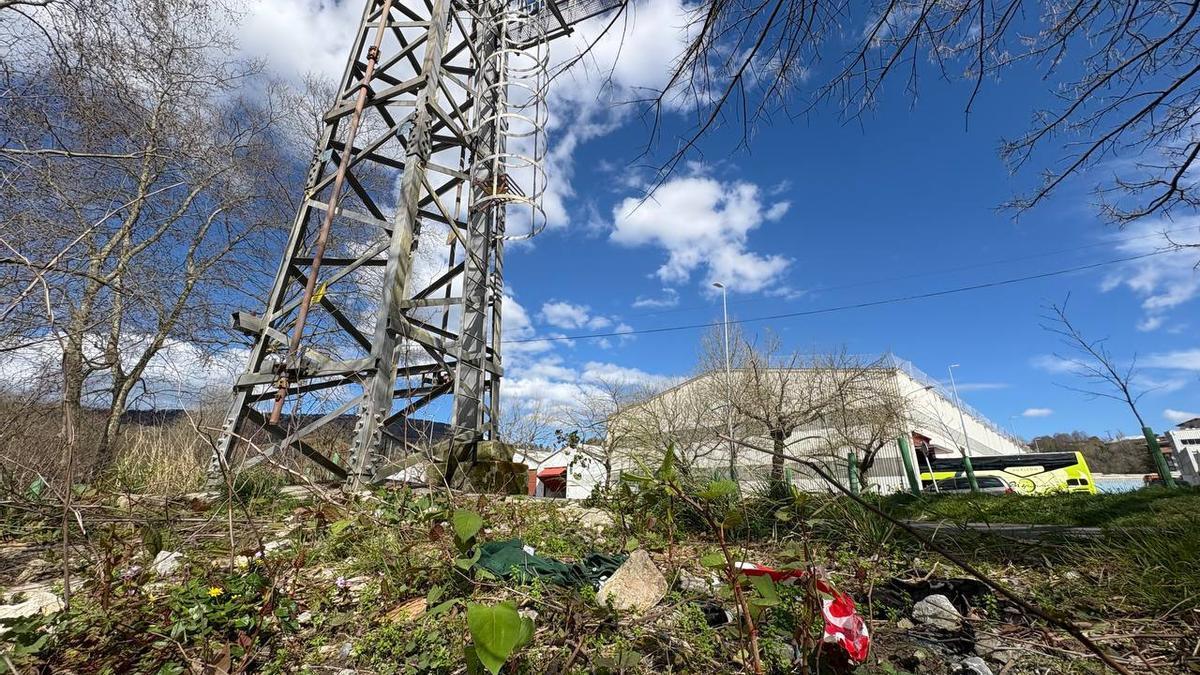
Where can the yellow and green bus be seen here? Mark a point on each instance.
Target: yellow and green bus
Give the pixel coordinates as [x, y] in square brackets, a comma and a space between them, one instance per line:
[1035, 473]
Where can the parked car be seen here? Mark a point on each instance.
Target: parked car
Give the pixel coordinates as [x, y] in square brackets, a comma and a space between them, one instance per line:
[992, 485]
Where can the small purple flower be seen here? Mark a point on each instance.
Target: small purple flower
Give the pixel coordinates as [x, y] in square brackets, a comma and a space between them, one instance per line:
[341, 583]
[258, 555]
[131, 572]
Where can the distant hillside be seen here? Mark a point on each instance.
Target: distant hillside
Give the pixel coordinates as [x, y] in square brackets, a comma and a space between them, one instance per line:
[409, 428]
[1120, 457]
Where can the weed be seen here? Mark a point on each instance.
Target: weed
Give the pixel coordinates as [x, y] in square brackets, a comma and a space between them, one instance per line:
[429, 645]
[1155, 569]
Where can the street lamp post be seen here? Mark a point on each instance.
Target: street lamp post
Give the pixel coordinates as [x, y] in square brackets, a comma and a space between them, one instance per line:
[728, 384]
[966, 439]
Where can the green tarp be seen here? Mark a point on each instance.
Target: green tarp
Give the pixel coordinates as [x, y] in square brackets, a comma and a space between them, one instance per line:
[509, 560]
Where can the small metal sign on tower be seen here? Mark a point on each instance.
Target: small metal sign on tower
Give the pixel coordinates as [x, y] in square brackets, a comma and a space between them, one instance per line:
[388, 299]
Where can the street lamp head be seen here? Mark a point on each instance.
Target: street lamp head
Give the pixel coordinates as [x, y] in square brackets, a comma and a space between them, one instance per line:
[953, 365]
[718, 284]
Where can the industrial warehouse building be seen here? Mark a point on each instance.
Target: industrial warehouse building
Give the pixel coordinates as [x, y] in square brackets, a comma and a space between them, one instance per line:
[862, 406]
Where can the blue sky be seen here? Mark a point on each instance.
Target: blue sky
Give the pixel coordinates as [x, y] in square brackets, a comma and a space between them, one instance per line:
[817, 214]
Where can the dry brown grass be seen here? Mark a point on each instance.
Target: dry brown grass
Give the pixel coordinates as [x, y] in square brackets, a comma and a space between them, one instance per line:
[167, 458]
[170, 459]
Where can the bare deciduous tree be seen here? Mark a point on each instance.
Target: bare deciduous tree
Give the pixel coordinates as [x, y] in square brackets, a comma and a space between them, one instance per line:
[1105, 375]
[680, 417]
[527, 423]
[866, 412]
[594, 414]
[136, 146]
[776, 393]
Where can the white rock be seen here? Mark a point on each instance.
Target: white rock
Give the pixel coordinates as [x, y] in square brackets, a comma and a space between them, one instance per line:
[595, 519]
[636, 586]
[38, 601]
[304, 618]
[972, 665]
[690, 583]
[938, 611]
[277, 545]
[165, 563]
[996, 649]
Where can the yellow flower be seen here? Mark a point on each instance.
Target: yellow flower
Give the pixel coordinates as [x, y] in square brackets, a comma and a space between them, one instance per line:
[215, 591]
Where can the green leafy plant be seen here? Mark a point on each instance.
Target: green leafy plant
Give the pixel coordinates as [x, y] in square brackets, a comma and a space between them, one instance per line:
[26, 635]
[717, 509]
[467, 525]
[496, 631]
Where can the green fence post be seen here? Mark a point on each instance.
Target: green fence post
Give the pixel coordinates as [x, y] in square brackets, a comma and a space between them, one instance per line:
[852, 467]
[1160, 462]
[970, 471]
[906, 454]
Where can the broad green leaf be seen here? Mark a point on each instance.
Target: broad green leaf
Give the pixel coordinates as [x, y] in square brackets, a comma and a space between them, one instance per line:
[434, 594]
[526, 632]
[718, 489]
[466, 563]
[765, 587]
[783, 515]
[713, 560]
[466, 525]
[339, 526]
[445, 606]
[732, 519]
[628, 659]
[666, 471]
[495, 631]
[474, 667]
[632, 545]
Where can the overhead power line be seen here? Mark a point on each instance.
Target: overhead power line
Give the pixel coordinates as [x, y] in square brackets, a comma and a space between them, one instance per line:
[958, 268]
[842, 308]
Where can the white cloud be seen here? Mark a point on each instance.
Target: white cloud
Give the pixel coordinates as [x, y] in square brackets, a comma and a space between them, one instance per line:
[625, 62]
[1163, 282]
[597, 371]
[518, 326]
[551, 382]
[1183, 359]
[275, 30]
[1177, 416]
[1037, 412]
[1055, 364]
[181, 374]
[569, 316]
[564, 314]
[1150, 323]
[630, 60]
[668, 299]
[1158, 385]
[703, 223]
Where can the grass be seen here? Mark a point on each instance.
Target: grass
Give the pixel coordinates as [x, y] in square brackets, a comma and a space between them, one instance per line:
[397, 547]
[1148, 508]
[1143, 560]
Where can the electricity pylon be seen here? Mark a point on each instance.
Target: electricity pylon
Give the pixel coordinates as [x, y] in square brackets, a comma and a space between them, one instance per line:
[388, 297]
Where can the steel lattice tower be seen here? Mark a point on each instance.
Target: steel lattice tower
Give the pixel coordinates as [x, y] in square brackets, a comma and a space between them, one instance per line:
[388, 297]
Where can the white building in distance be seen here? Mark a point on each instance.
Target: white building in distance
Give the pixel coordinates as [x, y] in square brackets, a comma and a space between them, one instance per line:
[842, 403]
